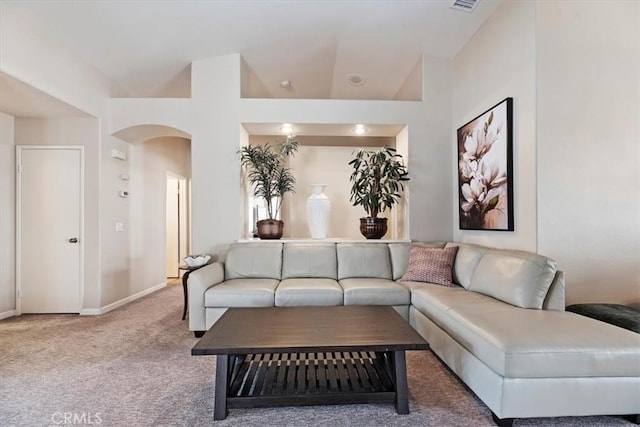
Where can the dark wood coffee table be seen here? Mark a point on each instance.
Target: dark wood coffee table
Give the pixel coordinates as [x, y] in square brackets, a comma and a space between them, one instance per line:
[286, 356]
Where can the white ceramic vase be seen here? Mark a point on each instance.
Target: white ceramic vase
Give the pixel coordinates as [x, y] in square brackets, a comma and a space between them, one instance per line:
[318, 212]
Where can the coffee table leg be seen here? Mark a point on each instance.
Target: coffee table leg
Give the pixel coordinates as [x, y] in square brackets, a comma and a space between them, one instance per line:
[400, 374]
[222, 379]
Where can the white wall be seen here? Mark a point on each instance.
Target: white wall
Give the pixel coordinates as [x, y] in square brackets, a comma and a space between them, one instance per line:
[83, 131]
[429, 141]
[324, 165]
[499, 62]
[114, 257]
[7, 216]
[588, 109]
[401, 221]
[213, 116]
[246, 219]
[216, 111]
[215, 169]
[33, 58]
[325, 160]
[145, 118]
[572, 68]
[429, 156]
[149, 163]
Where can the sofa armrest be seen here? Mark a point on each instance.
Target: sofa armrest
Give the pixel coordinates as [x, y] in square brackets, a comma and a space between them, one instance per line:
[198, 283]
[555, 299]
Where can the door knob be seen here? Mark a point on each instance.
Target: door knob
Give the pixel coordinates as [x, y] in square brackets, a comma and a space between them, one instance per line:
[73, 240]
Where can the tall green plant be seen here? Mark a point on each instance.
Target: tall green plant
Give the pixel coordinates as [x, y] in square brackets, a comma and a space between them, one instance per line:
[268, 173]
[376, 180]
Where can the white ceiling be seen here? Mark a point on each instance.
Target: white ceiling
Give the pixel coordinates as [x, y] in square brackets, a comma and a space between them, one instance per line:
[146, 46]
[21, 100]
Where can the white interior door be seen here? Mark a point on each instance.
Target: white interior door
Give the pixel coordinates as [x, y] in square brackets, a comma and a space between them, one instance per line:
[49, 232]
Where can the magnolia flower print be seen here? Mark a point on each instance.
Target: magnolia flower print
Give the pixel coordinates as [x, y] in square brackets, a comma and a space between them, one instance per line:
[474, 194]
[467, 168]
[493, 177]
[478, 143]
[483, 181]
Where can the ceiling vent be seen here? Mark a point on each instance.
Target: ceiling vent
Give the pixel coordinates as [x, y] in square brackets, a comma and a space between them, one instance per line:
[466, 5]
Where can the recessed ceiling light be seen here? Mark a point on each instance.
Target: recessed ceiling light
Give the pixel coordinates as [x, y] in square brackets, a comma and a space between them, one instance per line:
[286, 128]
[359, 129]
[356, 79]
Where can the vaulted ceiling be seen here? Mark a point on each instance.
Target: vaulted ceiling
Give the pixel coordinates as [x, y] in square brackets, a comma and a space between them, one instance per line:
[146, 46]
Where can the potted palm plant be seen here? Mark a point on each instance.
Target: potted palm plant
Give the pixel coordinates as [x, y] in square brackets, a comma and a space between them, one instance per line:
[271, 179]
[376, 185]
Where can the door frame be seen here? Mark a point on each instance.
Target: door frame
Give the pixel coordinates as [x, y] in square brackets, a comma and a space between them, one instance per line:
[185, 203]
[19, 150]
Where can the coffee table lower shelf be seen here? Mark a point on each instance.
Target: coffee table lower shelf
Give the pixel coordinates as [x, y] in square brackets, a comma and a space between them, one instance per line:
[319, 378]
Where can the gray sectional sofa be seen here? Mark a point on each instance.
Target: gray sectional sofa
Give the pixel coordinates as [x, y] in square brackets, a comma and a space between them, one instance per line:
[502, 330]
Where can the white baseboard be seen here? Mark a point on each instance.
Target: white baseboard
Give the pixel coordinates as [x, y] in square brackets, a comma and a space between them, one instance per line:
[120, 303]
[7, 314]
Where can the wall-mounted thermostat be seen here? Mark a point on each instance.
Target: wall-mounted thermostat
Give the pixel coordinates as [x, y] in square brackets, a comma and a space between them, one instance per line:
[124, 193]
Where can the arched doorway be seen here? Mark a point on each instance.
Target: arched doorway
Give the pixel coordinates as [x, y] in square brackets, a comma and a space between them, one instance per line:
[159, 205]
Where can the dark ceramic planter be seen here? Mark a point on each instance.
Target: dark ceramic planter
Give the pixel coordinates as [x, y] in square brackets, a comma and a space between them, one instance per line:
[373, 228]
[270, 229]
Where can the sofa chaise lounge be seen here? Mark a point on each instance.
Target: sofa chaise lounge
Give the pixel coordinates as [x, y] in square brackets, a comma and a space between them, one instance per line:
[501, 328]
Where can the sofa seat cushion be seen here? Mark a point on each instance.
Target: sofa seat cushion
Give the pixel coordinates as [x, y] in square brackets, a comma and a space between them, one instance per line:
[312, 292]
[242, 293]
[524, 343]
[371, 291]
[440, 296]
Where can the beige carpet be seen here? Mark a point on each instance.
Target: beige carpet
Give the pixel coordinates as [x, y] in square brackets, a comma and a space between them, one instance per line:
[132, 367]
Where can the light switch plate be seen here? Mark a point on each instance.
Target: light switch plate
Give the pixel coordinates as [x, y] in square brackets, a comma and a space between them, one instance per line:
[119, 226]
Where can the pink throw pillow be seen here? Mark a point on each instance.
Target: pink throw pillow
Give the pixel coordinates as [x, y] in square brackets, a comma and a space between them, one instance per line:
[432, 265]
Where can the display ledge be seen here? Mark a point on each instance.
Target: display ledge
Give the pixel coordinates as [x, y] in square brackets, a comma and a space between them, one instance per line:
[327, 239]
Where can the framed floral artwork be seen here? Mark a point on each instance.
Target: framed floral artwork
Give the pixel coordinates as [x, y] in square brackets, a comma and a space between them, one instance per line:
[485, 170]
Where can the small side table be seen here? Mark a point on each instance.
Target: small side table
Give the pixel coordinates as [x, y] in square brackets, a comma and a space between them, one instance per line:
[188, 270]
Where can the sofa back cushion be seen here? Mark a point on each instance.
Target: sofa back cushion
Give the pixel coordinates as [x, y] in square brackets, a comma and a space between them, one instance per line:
[363, 260]
[555, 299]
[467, 260]
[253, 260]
[312, 260]
[515, 277]
[399, 253]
